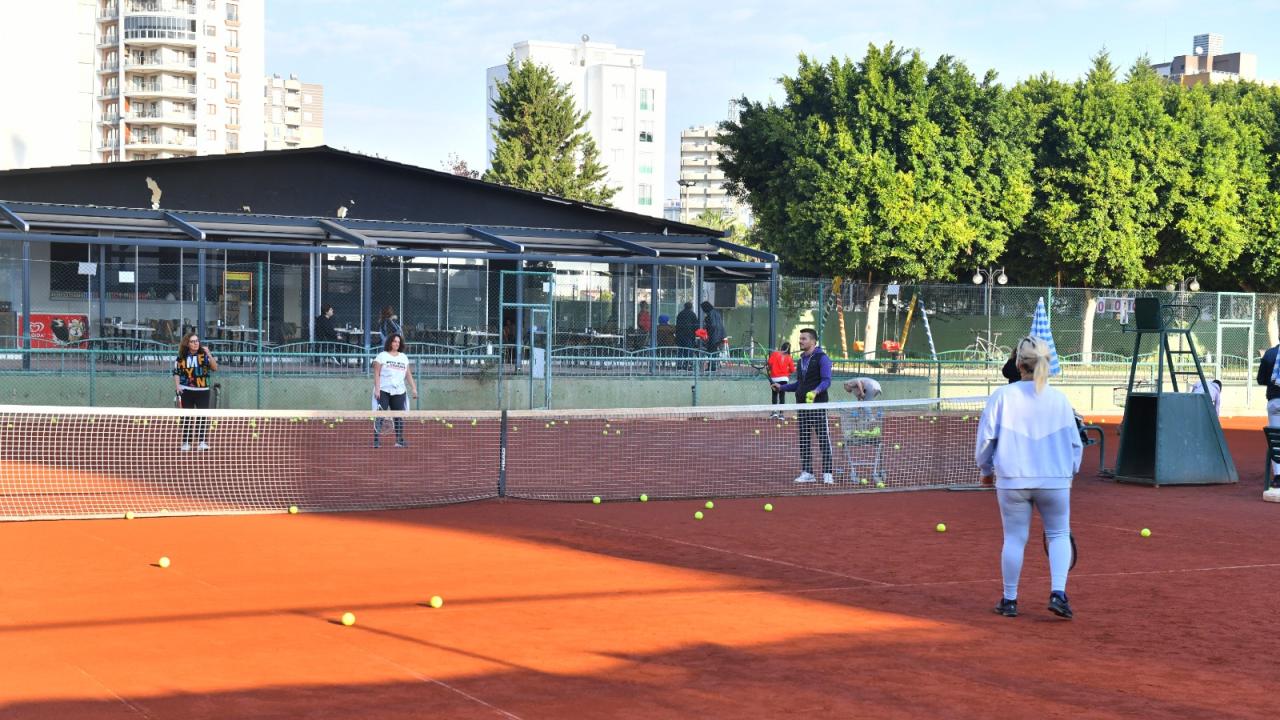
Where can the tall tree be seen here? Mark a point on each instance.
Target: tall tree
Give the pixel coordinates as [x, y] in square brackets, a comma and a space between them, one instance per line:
[885, 169]
[540, 143]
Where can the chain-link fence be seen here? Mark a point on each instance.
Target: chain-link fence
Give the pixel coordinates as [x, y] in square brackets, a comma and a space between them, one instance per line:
[294, 325]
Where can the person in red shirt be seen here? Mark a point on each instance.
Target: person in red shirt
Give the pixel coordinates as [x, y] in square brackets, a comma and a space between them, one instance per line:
[780, 368]
[642, 319]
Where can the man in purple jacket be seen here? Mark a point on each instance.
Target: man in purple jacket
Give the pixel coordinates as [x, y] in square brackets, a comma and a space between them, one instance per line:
[813, 377]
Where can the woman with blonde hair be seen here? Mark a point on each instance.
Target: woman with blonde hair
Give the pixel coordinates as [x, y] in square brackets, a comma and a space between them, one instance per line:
[1028, 446]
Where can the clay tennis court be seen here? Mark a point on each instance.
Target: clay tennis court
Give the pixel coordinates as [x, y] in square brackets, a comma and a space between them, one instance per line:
[829, 607]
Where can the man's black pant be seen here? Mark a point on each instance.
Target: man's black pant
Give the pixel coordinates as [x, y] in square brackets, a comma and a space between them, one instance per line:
[814, 421]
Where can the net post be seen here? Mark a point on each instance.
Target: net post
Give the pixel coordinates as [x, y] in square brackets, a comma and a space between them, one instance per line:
[502, 455]
[26, 305]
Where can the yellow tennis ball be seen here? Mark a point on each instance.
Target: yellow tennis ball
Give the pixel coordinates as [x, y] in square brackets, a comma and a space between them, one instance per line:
[449, 425]
[255, 436]
[942, 527]
[596, 500]
[710, 505]
[604, 432]
[1146, 532]
[163, 562]
[293, 509]
[348, 619]
[697, 515]
[644, 498]
[547, 425]
[880, 484]
[768, 507]
[128, 515]
[437, 602]
[757, 432]
[897, 447]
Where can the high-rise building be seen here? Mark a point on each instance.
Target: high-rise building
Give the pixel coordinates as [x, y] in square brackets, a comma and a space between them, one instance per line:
[1207, 64]
[293, 112]
[131, 80]
[627, 106]
[701, 179]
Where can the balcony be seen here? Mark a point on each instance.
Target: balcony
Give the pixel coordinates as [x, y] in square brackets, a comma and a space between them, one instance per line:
[162, 116]
[110, 12]
[160, 142]
[109, 39]
[109, 118]
[159, 63]
[160, 35]
[109, 67]
[164, 89]
[108, 144]
[157, 6]
[108, 92]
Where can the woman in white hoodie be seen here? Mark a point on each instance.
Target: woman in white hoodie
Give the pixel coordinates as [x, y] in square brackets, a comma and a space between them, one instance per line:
[1028, 445]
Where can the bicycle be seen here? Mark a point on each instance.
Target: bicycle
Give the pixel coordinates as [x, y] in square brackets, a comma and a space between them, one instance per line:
[984, 349]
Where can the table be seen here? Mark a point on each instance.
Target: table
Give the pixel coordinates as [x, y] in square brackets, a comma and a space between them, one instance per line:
[240, 334]
[135, 334]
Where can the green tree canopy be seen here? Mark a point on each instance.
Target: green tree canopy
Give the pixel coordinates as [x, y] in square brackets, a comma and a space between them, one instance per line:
[540, 141]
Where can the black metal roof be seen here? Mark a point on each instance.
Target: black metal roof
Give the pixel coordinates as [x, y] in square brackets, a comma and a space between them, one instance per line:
[315, 182]
[43, 222]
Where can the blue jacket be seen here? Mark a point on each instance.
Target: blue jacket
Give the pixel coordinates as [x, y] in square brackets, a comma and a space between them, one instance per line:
[813, 374]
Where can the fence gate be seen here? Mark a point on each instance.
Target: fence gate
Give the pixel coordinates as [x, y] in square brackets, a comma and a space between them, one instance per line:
[1236, 312]
[527, 301]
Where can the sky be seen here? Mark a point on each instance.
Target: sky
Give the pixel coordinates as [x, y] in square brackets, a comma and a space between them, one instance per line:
[405, 79]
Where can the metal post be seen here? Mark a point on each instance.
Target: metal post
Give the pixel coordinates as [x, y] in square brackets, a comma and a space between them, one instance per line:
[653, 319]
[311, 299]
[822, 308]
[201, 313]
[25, 330]
[102, 284]
[366, 282]
[502, 454]
[258, 306]
[773, 306]
[988, 314]
[519, 358]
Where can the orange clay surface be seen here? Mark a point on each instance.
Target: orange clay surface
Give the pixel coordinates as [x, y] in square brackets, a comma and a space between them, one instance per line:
[829, 607]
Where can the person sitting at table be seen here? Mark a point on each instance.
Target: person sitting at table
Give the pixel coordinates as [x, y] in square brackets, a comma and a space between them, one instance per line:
[191, 372]
[666, 332]
[390, 323]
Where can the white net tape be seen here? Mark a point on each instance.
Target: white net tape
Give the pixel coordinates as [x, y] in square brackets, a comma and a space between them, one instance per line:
[60, 462]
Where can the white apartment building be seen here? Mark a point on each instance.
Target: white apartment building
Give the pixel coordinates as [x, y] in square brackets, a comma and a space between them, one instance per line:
[627, 106]
[701, 180]
[293, 112]
[131, 80]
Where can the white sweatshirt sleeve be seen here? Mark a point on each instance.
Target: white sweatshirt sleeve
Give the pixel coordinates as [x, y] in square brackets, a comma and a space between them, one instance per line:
[988, 426]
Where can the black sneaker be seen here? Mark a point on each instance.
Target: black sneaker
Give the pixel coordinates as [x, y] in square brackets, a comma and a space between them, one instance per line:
[1058, 605]
[1007, 608]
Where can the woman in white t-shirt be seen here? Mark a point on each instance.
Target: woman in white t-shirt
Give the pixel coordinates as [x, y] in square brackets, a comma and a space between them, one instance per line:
[391, 375]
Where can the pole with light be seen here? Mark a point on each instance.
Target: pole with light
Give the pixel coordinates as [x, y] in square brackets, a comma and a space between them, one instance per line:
[988, 276]
[684, 198]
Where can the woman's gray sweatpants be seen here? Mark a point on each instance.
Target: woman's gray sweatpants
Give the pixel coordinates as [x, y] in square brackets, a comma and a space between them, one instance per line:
[1055, 513]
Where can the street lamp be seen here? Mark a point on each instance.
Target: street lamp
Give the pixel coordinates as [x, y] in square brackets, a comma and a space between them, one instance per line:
[1192, 283]
[684, 198]
[988, 276]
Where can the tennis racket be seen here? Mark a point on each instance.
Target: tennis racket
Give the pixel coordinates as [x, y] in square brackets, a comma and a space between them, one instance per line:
[1074, 555]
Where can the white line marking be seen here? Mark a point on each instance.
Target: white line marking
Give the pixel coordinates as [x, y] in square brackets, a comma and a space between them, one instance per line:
[761, 558]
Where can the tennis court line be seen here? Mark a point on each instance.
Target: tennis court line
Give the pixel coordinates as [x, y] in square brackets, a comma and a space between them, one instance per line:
[712, 548]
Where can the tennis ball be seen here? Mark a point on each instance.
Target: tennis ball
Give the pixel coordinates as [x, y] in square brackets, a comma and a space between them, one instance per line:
[449, 425]
[880, 484]
[255, 436]
[163, 562]
[644, 498]
[596, 500]
[1146, 532]
[253, 423]
[864, 481]
[840, 444]
[53, 420]
[697, 515]
[553, 422]
[293, 509]
[617, 432]
[473, 422]
[437, 602]
[546, 425]
[964, 419]
[942, 527]
[604, 432]
[897, 447]
[128, 515]
[757, 432]
[779, 424]
[710, 505]
[768, 507]
[348, 619]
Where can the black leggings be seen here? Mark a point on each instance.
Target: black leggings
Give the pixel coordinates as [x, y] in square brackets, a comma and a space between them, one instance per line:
[779, 397]
[195, 400]
[387, 401]
[815, 422]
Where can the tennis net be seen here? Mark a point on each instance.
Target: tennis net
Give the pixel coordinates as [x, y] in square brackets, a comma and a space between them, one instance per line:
[59, 462]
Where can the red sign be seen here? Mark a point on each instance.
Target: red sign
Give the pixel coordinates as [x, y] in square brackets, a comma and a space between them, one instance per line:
[51, 330]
